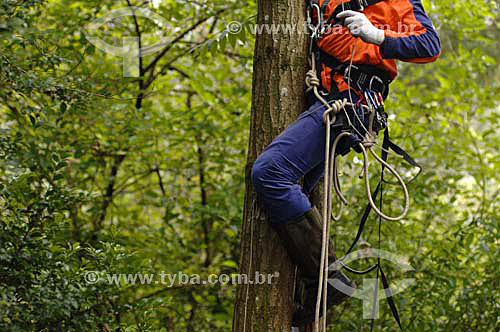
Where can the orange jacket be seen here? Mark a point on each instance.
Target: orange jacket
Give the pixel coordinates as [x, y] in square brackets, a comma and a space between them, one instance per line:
[409, 36]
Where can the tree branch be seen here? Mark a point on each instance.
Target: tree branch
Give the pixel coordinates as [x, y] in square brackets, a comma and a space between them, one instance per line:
[110, 190]
[179, 37]
[140, 97]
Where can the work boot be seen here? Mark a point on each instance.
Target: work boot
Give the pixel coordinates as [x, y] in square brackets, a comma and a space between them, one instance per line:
[302, 239]
[307, 292]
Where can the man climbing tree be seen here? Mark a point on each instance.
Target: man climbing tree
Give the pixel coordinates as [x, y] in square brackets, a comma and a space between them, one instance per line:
[354, 45]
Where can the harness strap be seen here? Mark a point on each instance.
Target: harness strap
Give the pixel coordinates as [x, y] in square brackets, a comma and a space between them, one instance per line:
[361, 76]
[323, 7]
[363, 220]
[357, 5]
[390, 300]
[388, 144]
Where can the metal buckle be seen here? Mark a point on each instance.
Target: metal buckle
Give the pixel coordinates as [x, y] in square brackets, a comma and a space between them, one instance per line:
[350, 81]
[309, 18]
[360, 4]
[379, 80]
[346, 71]
[318, 25]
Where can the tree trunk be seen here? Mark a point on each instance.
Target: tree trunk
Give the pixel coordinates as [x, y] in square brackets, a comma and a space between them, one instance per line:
[280, 64]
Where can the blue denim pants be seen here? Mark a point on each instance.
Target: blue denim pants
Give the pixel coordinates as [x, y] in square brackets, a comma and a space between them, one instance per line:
[298, 152]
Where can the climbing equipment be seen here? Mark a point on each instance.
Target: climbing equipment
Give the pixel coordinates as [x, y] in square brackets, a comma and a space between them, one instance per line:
[320, 8]
[360, 124]
[356, 5]
[320, 18]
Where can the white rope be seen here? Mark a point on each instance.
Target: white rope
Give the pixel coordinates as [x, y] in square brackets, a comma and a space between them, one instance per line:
[331, 176]
[368, 190]
[313, 83]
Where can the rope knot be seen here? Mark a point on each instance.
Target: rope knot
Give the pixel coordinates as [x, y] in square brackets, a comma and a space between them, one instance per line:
[312, 80]
[334, 107]
[369, 141]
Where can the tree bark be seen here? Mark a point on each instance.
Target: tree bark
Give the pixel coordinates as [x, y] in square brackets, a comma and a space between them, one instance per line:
[280, 64]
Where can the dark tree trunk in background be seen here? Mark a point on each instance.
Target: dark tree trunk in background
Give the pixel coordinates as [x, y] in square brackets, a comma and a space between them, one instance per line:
[280, 64]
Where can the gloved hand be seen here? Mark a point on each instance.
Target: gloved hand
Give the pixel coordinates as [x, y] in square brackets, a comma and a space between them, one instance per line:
[359, 26]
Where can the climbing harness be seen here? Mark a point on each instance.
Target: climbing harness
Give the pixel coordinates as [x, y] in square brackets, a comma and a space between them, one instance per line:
[356, 5]
[360, 124]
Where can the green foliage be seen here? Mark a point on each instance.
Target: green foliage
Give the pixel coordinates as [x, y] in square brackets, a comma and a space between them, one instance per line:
[146, 174]
[92, 183]
[445, 115]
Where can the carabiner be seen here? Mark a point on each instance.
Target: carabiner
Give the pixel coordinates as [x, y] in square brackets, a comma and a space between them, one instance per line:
[379, 80]
[319, 22]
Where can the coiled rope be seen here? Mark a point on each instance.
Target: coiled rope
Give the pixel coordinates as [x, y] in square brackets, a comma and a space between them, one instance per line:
[331, 177]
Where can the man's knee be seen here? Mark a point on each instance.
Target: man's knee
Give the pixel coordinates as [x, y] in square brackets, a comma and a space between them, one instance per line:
[258, 174]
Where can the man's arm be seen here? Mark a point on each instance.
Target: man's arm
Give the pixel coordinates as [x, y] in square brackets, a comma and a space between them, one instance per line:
[417, 41]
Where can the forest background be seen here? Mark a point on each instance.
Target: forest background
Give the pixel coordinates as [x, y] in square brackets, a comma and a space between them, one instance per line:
[144, 174]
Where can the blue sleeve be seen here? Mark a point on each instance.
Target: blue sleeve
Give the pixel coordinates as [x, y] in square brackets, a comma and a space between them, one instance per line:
[416, 40]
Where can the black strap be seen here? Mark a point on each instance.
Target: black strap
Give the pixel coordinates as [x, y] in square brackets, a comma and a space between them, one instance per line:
[390, 300]
[361, 75]
[328, 59]
[351, 5]
[388, 144]
[356, 69]
[370, 269]
[385, 146]
[358, 236]
[323, 7]
[362, 223]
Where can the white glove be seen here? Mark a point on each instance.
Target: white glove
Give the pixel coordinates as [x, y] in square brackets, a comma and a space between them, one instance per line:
[360, 26]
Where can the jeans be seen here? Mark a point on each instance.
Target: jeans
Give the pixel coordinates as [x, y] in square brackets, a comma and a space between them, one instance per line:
[297, 152]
